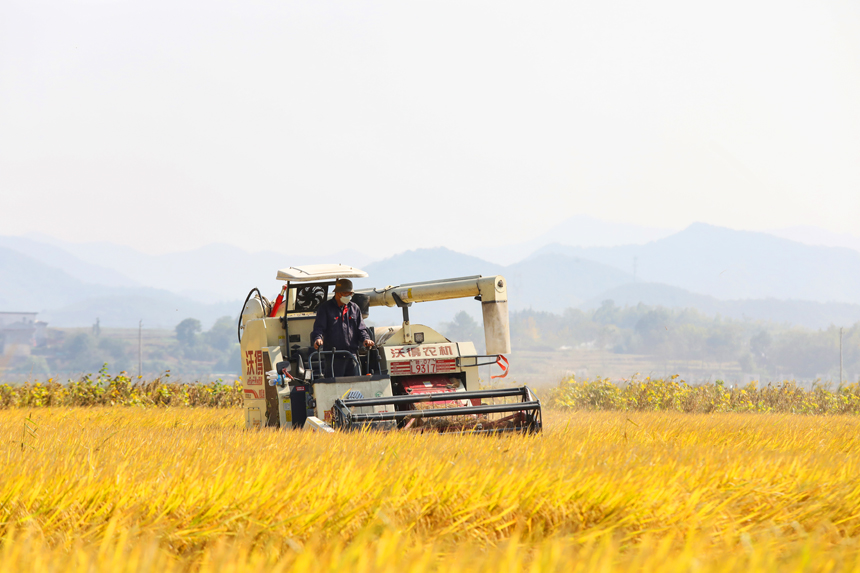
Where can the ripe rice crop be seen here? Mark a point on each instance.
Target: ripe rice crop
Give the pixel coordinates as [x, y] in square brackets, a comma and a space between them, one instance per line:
[677, 395]
[185, 489]
[120, 390]
[599, 394]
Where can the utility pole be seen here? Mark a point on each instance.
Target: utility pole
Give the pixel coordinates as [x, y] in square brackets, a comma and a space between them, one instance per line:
[840, 356]
[140, 348]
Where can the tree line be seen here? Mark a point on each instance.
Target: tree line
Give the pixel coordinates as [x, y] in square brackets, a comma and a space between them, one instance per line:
[758, 347]
[187, 349]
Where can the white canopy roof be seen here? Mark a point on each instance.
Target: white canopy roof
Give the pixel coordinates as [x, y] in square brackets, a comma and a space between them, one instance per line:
[319, 273]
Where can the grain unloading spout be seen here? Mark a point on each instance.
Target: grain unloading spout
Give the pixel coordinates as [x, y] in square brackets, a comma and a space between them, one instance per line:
[491, 291]
[494, 307]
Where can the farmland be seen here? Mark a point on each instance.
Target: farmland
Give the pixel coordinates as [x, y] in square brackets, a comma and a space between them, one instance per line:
[177, 488]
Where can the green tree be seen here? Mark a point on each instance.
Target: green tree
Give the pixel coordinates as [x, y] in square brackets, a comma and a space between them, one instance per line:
[723, 342]
[760, 347]
[114, 352]
[607, 313]
[688, 340]
[653, 329]
[78, 353]
[807, 354]
[464, 328]
[186, 331]
[851, 351]
[222, 335]
[747, 363]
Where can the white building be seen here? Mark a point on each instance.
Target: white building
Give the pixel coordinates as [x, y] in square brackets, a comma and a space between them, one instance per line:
[20, 332]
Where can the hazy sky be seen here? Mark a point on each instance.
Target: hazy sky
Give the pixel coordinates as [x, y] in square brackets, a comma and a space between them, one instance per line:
[384, 126]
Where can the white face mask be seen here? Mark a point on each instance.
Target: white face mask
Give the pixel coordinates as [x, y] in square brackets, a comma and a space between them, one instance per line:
[346, 299]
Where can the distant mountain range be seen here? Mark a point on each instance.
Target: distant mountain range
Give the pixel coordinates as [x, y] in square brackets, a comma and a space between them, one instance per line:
[815, 236]
[551, 283]
[212, 273]
[63, 259]
[736, 274]
[729, 264]
[63, 300]
[74, 284]
[579, 230]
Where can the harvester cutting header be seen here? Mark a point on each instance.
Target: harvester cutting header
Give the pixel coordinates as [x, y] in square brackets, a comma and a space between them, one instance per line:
[406, 376]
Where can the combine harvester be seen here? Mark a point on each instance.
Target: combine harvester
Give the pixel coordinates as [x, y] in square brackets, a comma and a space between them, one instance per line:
[414, 378]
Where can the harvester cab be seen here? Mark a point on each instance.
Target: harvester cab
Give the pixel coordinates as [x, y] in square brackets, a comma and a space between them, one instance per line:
[413, 378]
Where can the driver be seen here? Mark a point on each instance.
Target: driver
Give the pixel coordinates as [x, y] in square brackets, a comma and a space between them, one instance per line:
[339, 325]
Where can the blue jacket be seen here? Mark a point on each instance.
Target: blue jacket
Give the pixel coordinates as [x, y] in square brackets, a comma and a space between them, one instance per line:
[339, 327]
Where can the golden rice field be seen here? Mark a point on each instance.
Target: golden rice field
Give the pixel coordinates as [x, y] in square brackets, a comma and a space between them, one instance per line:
[187, 489]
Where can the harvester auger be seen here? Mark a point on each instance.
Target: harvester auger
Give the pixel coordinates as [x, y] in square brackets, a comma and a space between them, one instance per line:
[413, 379]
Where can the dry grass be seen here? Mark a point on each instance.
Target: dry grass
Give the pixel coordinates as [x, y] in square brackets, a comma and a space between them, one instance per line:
[175, 489]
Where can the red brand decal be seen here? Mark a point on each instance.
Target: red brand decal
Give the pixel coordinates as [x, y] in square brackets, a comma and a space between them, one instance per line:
[421, 351]
[249, 362]
[259, 356]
